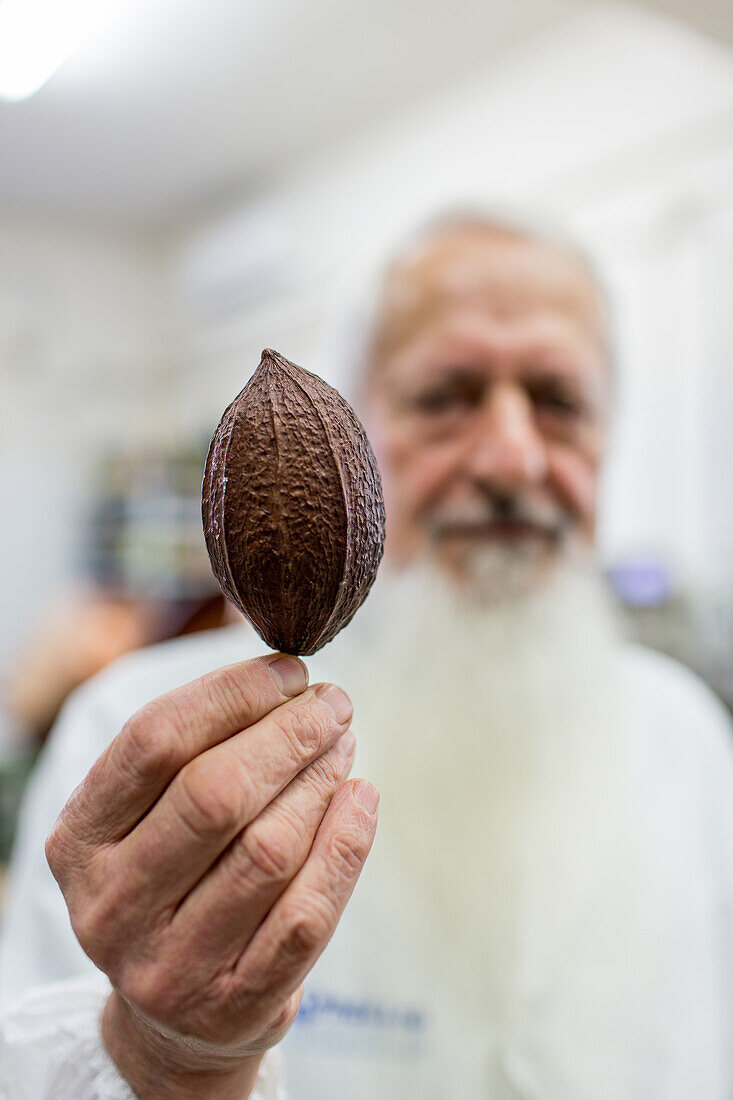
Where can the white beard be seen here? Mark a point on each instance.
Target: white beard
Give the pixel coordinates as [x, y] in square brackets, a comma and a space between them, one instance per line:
[474, 724]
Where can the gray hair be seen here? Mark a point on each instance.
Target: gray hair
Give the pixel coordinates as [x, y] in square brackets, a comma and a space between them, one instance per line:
[355, 340]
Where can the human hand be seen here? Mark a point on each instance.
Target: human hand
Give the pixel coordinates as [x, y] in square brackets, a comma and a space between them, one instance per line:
[206, 860]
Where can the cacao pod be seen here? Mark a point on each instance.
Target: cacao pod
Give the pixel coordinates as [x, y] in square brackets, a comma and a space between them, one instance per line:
[292, 507]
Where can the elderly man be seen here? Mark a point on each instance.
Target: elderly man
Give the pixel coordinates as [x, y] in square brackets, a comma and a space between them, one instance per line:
[547, 911]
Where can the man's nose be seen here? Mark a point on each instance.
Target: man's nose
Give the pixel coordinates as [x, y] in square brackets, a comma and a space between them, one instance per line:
[507, 451]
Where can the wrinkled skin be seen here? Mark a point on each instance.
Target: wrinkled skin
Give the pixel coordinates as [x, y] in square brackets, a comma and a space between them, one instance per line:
[487, 400]
[205, 862]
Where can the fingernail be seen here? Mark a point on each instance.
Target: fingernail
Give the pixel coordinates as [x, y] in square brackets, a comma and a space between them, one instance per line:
[367, 796]
[345, 744]
[337, 700]
[290, 674]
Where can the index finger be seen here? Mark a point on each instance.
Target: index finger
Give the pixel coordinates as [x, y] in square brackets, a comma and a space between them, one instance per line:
[167, 733]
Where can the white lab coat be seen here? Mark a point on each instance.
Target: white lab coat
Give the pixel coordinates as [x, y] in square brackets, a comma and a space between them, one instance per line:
[622, 987]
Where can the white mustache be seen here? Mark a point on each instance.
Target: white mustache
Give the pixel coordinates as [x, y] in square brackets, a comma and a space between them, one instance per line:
[548, 516]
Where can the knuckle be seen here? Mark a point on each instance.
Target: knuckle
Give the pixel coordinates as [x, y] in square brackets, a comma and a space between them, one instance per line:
[68, 856]
[99, 916]
[84, 924]
[232, 691]
[349, 851]
[56, 853]
[210, 797]
[284, 1019]
[271, 851]
[95, 929]
[306, 728]
[308, 929]
[326, 773]
[148, 988]
[149, 744]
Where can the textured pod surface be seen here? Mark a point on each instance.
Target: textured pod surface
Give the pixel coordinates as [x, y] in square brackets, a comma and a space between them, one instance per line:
[292, 507]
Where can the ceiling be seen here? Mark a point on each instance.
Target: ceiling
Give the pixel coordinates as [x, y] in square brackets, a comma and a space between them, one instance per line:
[170, 106]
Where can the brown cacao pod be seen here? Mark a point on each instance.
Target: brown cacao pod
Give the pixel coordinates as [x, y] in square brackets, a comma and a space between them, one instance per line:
[292, 507]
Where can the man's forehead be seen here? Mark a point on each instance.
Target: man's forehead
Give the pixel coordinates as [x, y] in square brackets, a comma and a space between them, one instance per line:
[496, 270]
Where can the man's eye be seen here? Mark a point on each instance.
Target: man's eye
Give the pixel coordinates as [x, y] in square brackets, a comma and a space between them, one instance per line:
[454, 396]
[555, 401]
[438, 401]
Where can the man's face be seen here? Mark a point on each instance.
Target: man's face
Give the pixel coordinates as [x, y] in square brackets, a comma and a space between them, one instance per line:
[488, 395]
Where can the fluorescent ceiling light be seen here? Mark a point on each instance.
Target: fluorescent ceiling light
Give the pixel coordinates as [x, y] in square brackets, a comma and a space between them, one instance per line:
[36, 37]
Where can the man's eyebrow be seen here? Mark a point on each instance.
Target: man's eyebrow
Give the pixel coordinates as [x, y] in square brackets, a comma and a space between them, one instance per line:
[563, 369]
[439, 355]
[445, 374]
[559, 357]
[454, 365]
[585, 385]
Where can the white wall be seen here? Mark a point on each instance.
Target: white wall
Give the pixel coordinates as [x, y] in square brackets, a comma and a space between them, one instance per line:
[85, 339]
